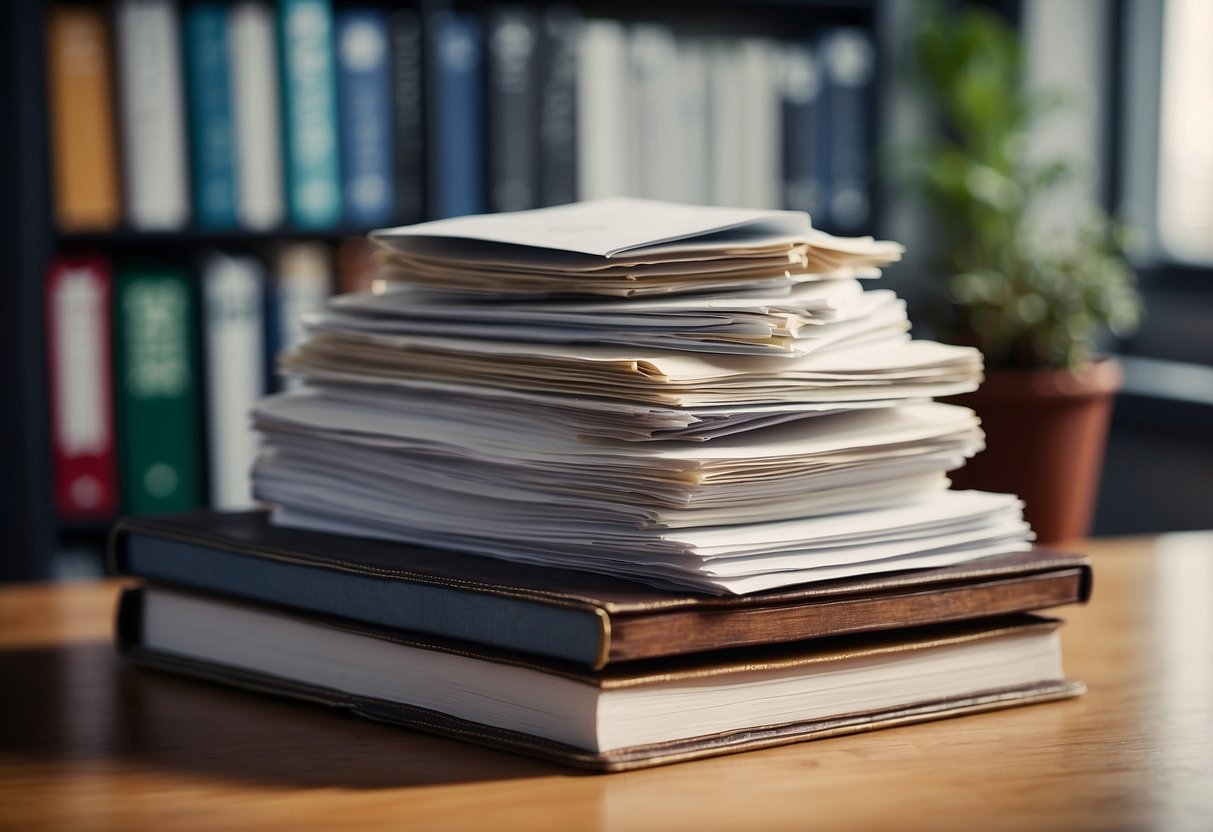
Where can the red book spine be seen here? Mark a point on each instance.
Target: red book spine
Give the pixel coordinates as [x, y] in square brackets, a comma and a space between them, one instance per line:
[81, 388]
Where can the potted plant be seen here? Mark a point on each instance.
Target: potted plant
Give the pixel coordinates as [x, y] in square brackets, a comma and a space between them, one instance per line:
[1033, 302]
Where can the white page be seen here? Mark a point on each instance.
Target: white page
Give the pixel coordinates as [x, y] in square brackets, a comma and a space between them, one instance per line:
[607, 227]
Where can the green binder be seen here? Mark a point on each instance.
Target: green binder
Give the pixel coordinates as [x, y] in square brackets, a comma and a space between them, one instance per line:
[156, 381]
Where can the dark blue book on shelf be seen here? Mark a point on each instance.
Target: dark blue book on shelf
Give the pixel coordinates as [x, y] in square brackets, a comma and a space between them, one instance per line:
[408, 119]
[561, 32]
[309, 107]
[848, 59]
[364, 98]
[456, 99]
[512, 101]
[802, 124]
[209, 102]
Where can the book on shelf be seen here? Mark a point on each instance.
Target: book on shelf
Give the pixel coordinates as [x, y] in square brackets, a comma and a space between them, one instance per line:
[803, 121]
[151, 101]
[512, 48]
[300, 281]
[558, 57]
[206, 47]
[455, 112]
[309, 106]
[587, 619]
[256, 116]
[364, 99]
[233, 327]
[408, 114]
[83, 435]
[848, 60]
[629, 717]
[84, 154]
[157, 381]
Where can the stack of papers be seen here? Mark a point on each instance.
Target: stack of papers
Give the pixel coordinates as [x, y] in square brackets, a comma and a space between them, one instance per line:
[692, 397]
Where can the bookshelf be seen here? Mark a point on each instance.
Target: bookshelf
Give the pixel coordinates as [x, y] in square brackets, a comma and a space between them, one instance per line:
[33, 530]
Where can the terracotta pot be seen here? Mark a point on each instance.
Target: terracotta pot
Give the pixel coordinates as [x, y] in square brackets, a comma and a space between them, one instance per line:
[1045, 437]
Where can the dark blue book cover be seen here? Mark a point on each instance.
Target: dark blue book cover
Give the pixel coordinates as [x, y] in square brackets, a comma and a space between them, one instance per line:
[309, 108]
[801, 93]
[848, 59]
[512, 41]
[457, 113]
[364, 97]
[408, 118]
[561, 32]
[209, 101]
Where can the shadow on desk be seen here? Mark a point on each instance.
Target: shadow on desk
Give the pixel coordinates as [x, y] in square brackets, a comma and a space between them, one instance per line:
[84, 703]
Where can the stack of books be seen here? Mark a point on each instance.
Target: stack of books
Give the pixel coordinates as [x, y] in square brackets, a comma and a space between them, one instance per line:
[620, 483]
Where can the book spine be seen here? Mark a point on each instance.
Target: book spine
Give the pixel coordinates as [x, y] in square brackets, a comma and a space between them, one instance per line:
[561, 32]
[301, 284]
[456, 99]
[512, 38]
[800, 88]
[313, 173]
[232, 293]
[408, 115]
[657, 170]
[157, 387]
[256, 110]
[156, 183]
[760, 161]
[693, 121]
[728, 132]
[84, 155]
[355, 265]
[209, 99]
[849, 59]
[604, 141]
[81, 394]
[364, 99]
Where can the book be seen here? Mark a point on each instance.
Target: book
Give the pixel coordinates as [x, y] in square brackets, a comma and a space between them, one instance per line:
[653, 117]
[300, 283]
[612, 720]
[801, 120]
[157, 382]
[558, 56]
[587, 619]
[83, 440]
[364, 99]
[408, 115]
[604, 127]
[205, 37]
[759, 162]
[152, 115]
[456, 104]
[309, 106]
[233, 290]
[849, 59]
[256, 116]
[84, 155]
[512, 99]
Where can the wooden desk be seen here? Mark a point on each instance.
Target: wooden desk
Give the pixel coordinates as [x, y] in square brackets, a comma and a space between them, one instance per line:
[87, 742]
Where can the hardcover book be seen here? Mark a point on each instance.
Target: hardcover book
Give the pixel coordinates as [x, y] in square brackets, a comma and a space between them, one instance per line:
[588, 619]
[152, 115]
[313, 168]
[456, 113]
[364, 103]
[81, 114]
[157, 382]
[643, 715]
[81, 391]
[209, 97]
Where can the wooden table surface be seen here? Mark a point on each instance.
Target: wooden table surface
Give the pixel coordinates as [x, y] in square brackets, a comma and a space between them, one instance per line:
[87, 742]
